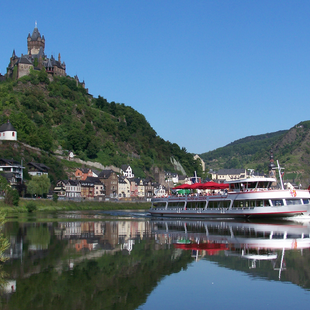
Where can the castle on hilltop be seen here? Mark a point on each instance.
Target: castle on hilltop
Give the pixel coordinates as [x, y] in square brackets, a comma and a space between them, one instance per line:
[35, 59]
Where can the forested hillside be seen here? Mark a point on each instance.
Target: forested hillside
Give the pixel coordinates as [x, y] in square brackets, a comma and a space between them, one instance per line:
[290, 147]
[61, 115]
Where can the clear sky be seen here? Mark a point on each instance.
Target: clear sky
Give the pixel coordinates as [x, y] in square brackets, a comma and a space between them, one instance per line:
[204, 73]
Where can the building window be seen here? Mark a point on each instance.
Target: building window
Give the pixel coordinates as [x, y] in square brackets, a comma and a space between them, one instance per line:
[13, 133]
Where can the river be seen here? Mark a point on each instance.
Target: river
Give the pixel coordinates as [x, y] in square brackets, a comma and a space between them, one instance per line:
[127, 260]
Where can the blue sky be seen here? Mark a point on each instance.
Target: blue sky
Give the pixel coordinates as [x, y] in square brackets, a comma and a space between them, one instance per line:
[204, 73]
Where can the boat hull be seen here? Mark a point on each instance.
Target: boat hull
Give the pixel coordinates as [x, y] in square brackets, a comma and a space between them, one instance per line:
[228, 213]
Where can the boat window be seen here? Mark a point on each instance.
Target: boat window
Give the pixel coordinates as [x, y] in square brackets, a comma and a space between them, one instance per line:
[218, 204]
[292, 201]
[236, 186]
[306, 201]
[244, 232]
[262, 184]
[195, 205]
[178, 204]
[251, 185]
[159, 204]
[293, 236]
[263, 234]
[277, 235]
[262, 203]
[250, 203]
[277, 202]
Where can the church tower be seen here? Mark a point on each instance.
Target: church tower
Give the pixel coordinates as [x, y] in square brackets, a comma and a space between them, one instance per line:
[272, 167]
[35, 42]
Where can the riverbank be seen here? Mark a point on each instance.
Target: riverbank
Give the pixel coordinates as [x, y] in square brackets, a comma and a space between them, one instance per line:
[50, 205]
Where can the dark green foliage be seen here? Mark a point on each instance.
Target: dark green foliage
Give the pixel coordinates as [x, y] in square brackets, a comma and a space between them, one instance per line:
[11, 197]
[290, 147]
[61, 113]
[31, 207]
[238, 153]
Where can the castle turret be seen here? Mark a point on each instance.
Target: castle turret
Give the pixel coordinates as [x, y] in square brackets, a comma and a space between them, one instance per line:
[35, 41]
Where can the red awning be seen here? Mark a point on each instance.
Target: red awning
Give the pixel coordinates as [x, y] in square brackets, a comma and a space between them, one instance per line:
[183, 186]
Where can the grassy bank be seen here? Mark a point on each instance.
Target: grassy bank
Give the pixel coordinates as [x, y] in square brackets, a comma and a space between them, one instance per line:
[49, 205]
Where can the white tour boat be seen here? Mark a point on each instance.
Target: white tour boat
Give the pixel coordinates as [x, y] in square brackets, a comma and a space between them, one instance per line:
[249, 197]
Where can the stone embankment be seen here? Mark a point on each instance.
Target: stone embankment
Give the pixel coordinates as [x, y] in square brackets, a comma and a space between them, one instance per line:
[59, 154]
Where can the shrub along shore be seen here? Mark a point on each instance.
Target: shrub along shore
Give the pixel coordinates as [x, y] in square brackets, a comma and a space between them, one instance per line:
[26, 205]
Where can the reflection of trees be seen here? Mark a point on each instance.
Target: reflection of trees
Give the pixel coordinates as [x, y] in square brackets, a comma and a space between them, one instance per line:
[110, 282]
[4, 245]
[39, 236]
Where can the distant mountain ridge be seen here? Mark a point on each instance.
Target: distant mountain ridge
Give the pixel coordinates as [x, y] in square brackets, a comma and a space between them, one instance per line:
[290, 147]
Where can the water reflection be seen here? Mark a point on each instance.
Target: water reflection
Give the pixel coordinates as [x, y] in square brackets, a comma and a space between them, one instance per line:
[79, 260]
[254, 242]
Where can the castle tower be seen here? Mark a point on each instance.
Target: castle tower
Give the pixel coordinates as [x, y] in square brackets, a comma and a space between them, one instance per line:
[35, 42]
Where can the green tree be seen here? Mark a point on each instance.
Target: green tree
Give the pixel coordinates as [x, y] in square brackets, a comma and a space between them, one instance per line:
[93, 148]
[3, 184]
[39, 185]
[11, 197]
[43, 77]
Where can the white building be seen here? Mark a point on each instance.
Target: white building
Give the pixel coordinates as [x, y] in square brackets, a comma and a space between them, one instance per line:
[73, 188]
[160, 191]
[8, 132]
[126, 170]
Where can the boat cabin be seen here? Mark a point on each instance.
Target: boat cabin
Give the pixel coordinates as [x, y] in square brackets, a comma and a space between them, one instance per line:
[250, 184]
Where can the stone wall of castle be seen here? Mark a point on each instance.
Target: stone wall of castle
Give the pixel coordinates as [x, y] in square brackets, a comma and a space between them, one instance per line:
[23, 69]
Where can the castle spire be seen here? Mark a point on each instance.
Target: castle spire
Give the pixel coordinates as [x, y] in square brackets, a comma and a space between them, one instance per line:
[35, 24]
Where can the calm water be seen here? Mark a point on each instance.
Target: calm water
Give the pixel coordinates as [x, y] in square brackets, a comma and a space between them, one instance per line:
[125, 260]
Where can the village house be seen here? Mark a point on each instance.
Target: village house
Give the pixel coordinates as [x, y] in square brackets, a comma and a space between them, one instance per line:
[148, 188]
[99, 193]
[37, 169]
[110, 180]
[123, 187]
[171, 177]
[139, 188]
[133, 189]
[73, 189]
[159, 190]
[60, 189]
[8, 132]
[12, 171]
[87, 189]
[83, 173]
[126, 171]
[229, 174]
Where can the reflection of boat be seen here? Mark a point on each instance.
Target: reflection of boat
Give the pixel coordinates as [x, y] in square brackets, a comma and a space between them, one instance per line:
[210, 248]
[183, 241]
[249, 197]
[252, 241]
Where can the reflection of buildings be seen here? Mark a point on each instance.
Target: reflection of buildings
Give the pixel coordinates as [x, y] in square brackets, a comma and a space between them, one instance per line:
[104, 235]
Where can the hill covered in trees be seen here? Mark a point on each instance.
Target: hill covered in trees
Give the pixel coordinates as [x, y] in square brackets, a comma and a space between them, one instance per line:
[290, 147]
[60, 116]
